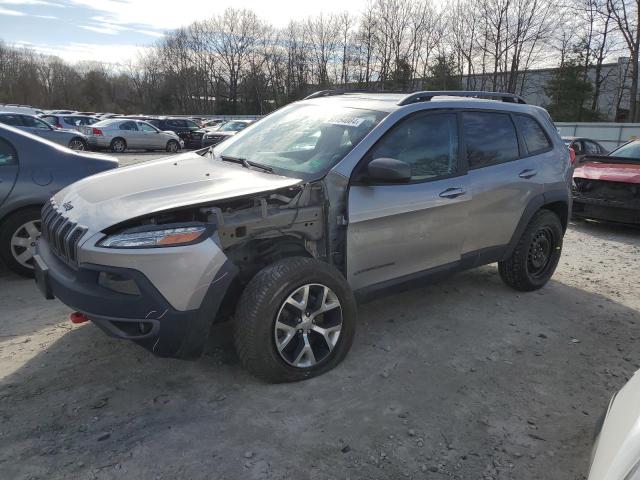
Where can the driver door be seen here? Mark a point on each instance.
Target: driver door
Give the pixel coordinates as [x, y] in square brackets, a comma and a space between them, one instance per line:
[399, 229]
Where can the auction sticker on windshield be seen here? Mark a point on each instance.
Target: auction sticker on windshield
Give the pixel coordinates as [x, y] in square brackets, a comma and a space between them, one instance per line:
[346, 121]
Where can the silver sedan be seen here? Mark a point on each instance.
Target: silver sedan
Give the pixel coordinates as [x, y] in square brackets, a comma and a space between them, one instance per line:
[119, 134]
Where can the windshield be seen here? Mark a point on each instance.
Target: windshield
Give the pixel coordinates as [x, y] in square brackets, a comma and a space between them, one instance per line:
[631, 150]
[302, 140]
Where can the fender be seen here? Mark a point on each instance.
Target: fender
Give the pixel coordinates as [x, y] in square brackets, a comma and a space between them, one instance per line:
[536, 203]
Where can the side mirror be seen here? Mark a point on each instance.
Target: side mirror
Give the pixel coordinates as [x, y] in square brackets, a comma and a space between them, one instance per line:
[389, 170]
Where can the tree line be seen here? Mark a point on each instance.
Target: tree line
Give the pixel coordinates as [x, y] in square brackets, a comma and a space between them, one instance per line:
[236, 63]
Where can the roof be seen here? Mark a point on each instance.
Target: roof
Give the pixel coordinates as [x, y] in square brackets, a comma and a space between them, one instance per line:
[389, 102]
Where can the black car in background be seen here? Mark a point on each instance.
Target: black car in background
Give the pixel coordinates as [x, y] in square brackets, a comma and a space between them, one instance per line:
[187, 130]
[217, 135]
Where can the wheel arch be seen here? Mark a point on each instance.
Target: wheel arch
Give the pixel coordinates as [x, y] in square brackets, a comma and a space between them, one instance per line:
[5, 215]
[559, 202]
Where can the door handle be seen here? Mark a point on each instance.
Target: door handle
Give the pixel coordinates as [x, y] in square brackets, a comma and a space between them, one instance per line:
[528, 173]
[452, 193]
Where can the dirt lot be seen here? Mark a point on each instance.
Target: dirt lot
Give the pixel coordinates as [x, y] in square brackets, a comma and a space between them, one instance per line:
[461, 379]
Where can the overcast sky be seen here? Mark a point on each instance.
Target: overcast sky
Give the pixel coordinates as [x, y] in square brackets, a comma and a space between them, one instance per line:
[115, 30]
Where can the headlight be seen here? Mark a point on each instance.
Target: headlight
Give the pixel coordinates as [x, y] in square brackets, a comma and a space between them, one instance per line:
[168, 237]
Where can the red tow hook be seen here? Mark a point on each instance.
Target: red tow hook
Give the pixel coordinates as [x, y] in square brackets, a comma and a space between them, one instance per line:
[77, 317]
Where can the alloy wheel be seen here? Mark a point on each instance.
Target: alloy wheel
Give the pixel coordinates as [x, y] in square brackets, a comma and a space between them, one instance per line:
[76, 144]
[23, 243]
[308, 325]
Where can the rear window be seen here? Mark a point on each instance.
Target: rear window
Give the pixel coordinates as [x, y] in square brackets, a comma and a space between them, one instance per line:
[533, 134]
[490, 138]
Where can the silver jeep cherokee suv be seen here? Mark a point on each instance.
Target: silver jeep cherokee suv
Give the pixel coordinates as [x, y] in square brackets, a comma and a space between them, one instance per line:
[280, 226]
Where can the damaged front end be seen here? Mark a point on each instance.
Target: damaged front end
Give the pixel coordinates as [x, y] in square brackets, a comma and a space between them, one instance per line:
[606, 200]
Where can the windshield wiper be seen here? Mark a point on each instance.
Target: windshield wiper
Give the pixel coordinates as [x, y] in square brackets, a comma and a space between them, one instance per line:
[246, 163]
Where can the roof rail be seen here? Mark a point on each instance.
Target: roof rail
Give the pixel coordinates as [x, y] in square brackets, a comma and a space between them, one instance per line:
[324, 93]
[427, 96]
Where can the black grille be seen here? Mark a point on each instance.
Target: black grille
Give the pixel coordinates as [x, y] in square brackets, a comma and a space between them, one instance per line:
[61, 234]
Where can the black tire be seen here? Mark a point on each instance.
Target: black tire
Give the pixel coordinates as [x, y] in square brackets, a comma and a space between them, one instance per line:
[261, 302]
[173, 146]
[118, 145]
[7, 230]
[536, 255]
[77, 144]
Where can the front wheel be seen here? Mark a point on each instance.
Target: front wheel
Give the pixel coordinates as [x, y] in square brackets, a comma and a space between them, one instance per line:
[536, 255]
[172, 146]
[295, 320]
[18, 236]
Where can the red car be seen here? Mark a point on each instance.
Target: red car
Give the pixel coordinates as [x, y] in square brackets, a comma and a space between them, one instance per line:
[607, 187]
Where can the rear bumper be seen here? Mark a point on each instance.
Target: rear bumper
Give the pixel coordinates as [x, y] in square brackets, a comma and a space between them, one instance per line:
[146, 318]
[605, 209]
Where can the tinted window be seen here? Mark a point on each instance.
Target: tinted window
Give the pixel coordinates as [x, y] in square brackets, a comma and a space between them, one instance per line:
[7, 154]
[128, 126]
[11, 120]
[534, 137]
[176, 123]
[34, 122]
[490, 138]
[154, 122]
[191, 124]
[428, 142]
[590, 148]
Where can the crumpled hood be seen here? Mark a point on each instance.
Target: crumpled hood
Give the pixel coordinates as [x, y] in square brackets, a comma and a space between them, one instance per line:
[612, 172]
[121, 194]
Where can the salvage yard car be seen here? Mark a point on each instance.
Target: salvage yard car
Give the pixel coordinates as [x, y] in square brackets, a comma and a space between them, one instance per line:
[229, 129]
[31, 170]
[396, 189]
[607, 187]
[29, 123]
[119, 134]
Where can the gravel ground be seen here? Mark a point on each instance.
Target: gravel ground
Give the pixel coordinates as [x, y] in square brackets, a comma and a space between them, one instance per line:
[461, 379]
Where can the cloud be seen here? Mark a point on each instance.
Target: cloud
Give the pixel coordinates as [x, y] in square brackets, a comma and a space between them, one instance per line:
[107, 30]
[74, 52]
[48, 17]
[32, 2]
[13, 13]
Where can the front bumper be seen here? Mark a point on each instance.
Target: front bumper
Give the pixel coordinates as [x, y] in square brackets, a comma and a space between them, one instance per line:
[606, 209]
[146, 318]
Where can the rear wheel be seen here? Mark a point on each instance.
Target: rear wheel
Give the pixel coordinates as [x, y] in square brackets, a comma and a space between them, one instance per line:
[18, 237]
[296, 319]
[172, 146]
[118, 145]
[536, 255]
[78, 144]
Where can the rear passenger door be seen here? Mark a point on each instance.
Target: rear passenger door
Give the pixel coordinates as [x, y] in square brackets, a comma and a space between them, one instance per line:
[396, 230]
[504, 174]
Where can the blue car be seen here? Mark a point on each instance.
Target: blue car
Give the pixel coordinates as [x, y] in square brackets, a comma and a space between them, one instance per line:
[32, 170]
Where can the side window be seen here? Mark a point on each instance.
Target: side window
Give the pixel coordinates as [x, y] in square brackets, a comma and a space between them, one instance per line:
[591, 148]
[428, 142]
[490, 138]
[191, 124]
[13, 120]
[50, 119]
[34, 122]
[146, 127]
[128, 126]
[8, 154]
[577, 147]
[533, 134]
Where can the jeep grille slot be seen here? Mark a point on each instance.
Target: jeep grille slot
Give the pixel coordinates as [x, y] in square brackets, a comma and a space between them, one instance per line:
[61, 234]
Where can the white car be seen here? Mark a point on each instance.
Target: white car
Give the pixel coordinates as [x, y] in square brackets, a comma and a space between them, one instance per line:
[616, 453]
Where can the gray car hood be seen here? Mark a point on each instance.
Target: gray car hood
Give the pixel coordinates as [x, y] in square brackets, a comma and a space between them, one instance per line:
[121, 194]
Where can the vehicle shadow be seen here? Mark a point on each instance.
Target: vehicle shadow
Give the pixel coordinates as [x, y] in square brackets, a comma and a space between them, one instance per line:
[622, 232]
[464, 377]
